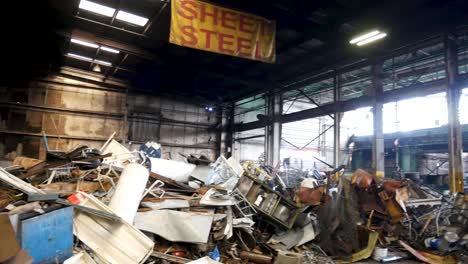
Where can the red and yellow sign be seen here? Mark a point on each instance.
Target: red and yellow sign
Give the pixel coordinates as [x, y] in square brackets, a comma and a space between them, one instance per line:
[204, 26]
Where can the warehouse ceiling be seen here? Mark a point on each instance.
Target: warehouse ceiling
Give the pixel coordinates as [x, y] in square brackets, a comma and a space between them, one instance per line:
[311, 36]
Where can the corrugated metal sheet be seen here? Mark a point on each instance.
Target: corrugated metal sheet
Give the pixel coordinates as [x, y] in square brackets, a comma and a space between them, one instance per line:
[179, 125]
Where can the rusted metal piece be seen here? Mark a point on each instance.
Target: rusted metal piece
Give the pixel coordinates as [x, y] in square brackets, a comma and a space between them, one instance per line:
[426, 224]
[402, 197]
[35, 171]
[394, 210]
[362, 179]
[26, 162]
[429, 257]
[369, 221]
[392, 186]
[256, 258]
[311, 196]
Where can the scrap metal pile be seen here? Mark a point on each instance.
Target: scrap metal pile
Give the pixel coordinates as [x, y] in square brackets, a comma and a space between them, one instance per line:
[117, 206]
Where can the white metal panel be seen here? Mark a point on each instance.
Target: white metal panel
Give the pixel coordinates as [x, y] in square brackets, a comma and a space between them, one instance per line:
[112, 242]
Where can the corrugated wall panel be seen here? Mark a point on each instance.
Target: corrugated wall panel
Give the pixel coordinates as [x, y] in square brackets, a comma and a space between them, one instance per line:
[84, 114]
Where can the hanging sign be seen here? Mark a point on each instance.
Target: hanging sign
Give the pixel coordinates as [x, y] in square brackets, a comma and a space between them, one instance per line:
[208, 27]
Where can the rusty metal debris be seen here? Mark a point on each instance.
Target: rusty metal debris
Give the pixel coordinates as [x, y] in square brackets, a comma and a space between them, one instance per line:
[200, 211]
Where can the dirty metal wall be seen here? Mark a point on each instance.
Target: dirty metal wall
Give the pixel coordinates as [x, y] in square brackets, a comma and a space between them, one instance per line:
[179, 126]
[73, 113]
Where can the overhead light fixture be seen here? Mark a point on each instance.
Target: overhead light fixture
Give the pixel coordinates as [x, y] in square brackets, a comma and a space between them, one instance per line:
[84, 43]
[102, 62]
[96, 68]
[131, 18]
[372, 39]
[109, 49]
[363, 37]
[76, 56]
[97, 8]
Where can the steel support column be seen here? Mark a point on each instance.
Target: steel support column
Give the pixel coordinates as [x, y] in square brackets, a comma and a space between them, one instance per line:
[125, 126]
[227, 128]
[273, 129]
[378, 148]
[336, 124]
[455, 144]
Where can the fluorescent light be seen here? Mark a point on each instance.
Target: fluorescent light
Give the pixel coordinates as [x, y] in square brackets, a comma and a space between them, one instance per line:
[76, 56]
[103, 62]
[371, 39]
[109, 49]
[97, 8]
[365, 36]
[131, 18]
[84, 43]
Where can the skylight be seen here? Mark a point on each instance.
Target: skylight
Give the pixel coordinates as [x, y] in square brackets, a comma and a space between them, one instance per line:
[131, 18]
[97, 8]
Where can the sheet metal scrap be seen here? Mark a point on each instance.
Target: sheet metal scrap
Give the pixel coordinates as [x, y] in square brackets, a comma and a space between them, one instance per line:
[27, 162]
[367, 251]
[111, 241]
[176, 226]
[18, 184]
[429, 257]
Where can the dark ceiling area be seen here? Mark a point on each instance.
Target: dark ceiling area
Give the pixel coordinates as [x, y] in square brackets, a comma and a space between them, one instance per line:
[310, 36]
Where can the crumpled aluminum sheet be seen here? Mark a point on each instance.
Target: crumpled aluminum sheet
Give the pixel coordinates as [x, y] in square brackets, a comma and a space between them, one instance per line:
[176, 226]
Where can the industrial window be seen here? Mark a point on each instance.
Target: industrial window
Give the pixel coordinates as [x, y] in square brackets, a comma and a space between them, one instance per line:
[307, 139]
[415, 113]
[355, 83]
[247, 109]
[416, 67]
[249, 145]
[310, 96]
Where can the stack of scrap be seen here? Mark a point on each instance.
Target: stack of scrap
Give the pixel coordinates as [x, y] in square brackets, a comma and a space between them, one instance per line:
[114, 205]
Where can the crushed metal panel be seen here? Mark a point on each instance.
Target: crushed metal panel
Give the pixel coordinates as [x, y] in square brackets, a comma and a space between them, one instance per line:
[297, 237]
[112, 242]
[175, 170]
[310, 231]
[119, 154]
[18, 184]
[167, 204]
[215, 198]
[176, 226]
[201, 172]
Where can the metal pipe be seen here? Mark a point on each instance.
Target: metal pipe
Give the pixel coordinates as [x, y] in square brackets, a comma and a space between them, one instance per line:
[251, 137]
[155, 17]
[256, 258]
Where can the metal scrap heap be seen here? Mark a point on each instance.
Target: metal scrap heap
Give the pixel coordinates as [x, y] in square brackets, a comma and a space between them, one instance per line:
[114, 205]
